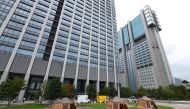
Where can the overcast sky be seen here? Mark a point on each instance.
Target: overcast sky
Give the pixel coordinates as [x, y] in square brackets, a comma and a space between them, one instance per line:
[174, 17]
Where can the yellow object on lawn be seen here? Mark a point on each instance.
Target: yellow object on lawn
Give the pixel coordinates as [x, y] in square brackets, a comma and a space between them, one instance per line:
[101, 99]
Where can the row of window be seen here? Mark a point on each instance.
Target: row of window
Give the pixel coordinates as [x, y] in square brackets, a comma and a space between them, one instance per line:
[142, 54]
[32, 32]
[5, 6]
[14, 28]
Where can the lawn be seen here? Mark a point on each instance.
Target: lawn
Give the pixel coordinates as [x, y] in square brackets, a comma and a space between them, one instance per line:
[25, 106]
[165, 107]
[102, 106]
[41, 106]
[94, 106]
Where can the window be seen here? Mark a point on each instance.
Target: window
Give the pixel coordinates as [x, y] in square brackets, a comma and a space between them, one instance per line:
[137, 27]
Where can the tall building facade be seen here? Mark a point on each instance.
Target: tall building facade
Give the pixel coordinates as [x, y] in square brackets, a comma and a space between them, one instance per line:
[141, 54]
[69, 39]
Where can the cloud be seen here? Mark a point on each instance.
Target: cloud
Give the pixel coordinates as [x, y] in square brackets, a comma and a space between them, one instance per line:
[181, 71]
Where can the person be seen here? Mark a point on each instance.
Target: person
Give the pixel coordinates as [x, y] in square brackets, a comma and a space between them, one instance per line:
[23, 100]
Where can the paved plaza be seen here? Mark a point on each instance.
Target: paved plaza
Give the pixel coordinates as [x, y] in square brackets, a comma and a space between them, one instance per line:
[176, 105]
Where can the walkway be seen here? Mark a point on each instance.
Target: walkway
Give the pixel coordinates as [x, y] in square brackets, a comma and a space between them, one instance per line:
[176, 106]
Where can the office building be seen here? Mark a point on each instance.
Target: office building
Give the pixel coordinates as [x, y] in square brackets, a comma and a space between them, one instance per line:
[69, 39]
[141, 56]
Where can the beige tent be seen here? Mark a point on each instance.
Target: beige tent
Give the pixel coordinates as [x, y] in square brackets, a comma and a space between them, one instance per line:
[146, 103]
[117, 103]
[65, 103]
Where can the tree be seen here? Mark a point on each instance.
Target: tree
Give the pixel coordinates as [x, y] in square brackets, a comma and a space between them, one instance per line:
[53, 90]
[152, 93]
[104, 91]
[125, 92]
[159, 94]
[185, 81]
[141, 92]
[168, 93]
[63, 92]
[91, 91]
[69, 90]
[180, 91]
[10, 88]
[2, 97]
[112, 91]
[188, 94]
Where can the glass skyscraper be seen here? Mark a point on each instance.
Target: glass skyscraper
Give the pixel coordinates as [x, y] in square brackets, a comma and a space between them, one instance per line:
[69, 39]
[141, 55]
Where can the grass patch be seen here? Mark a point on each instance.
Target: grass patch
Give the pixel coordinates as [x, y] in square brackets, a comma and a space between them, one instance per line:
[102, 106]
[91, 106]
[24, 106]
[94, 106]
[164, 107]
